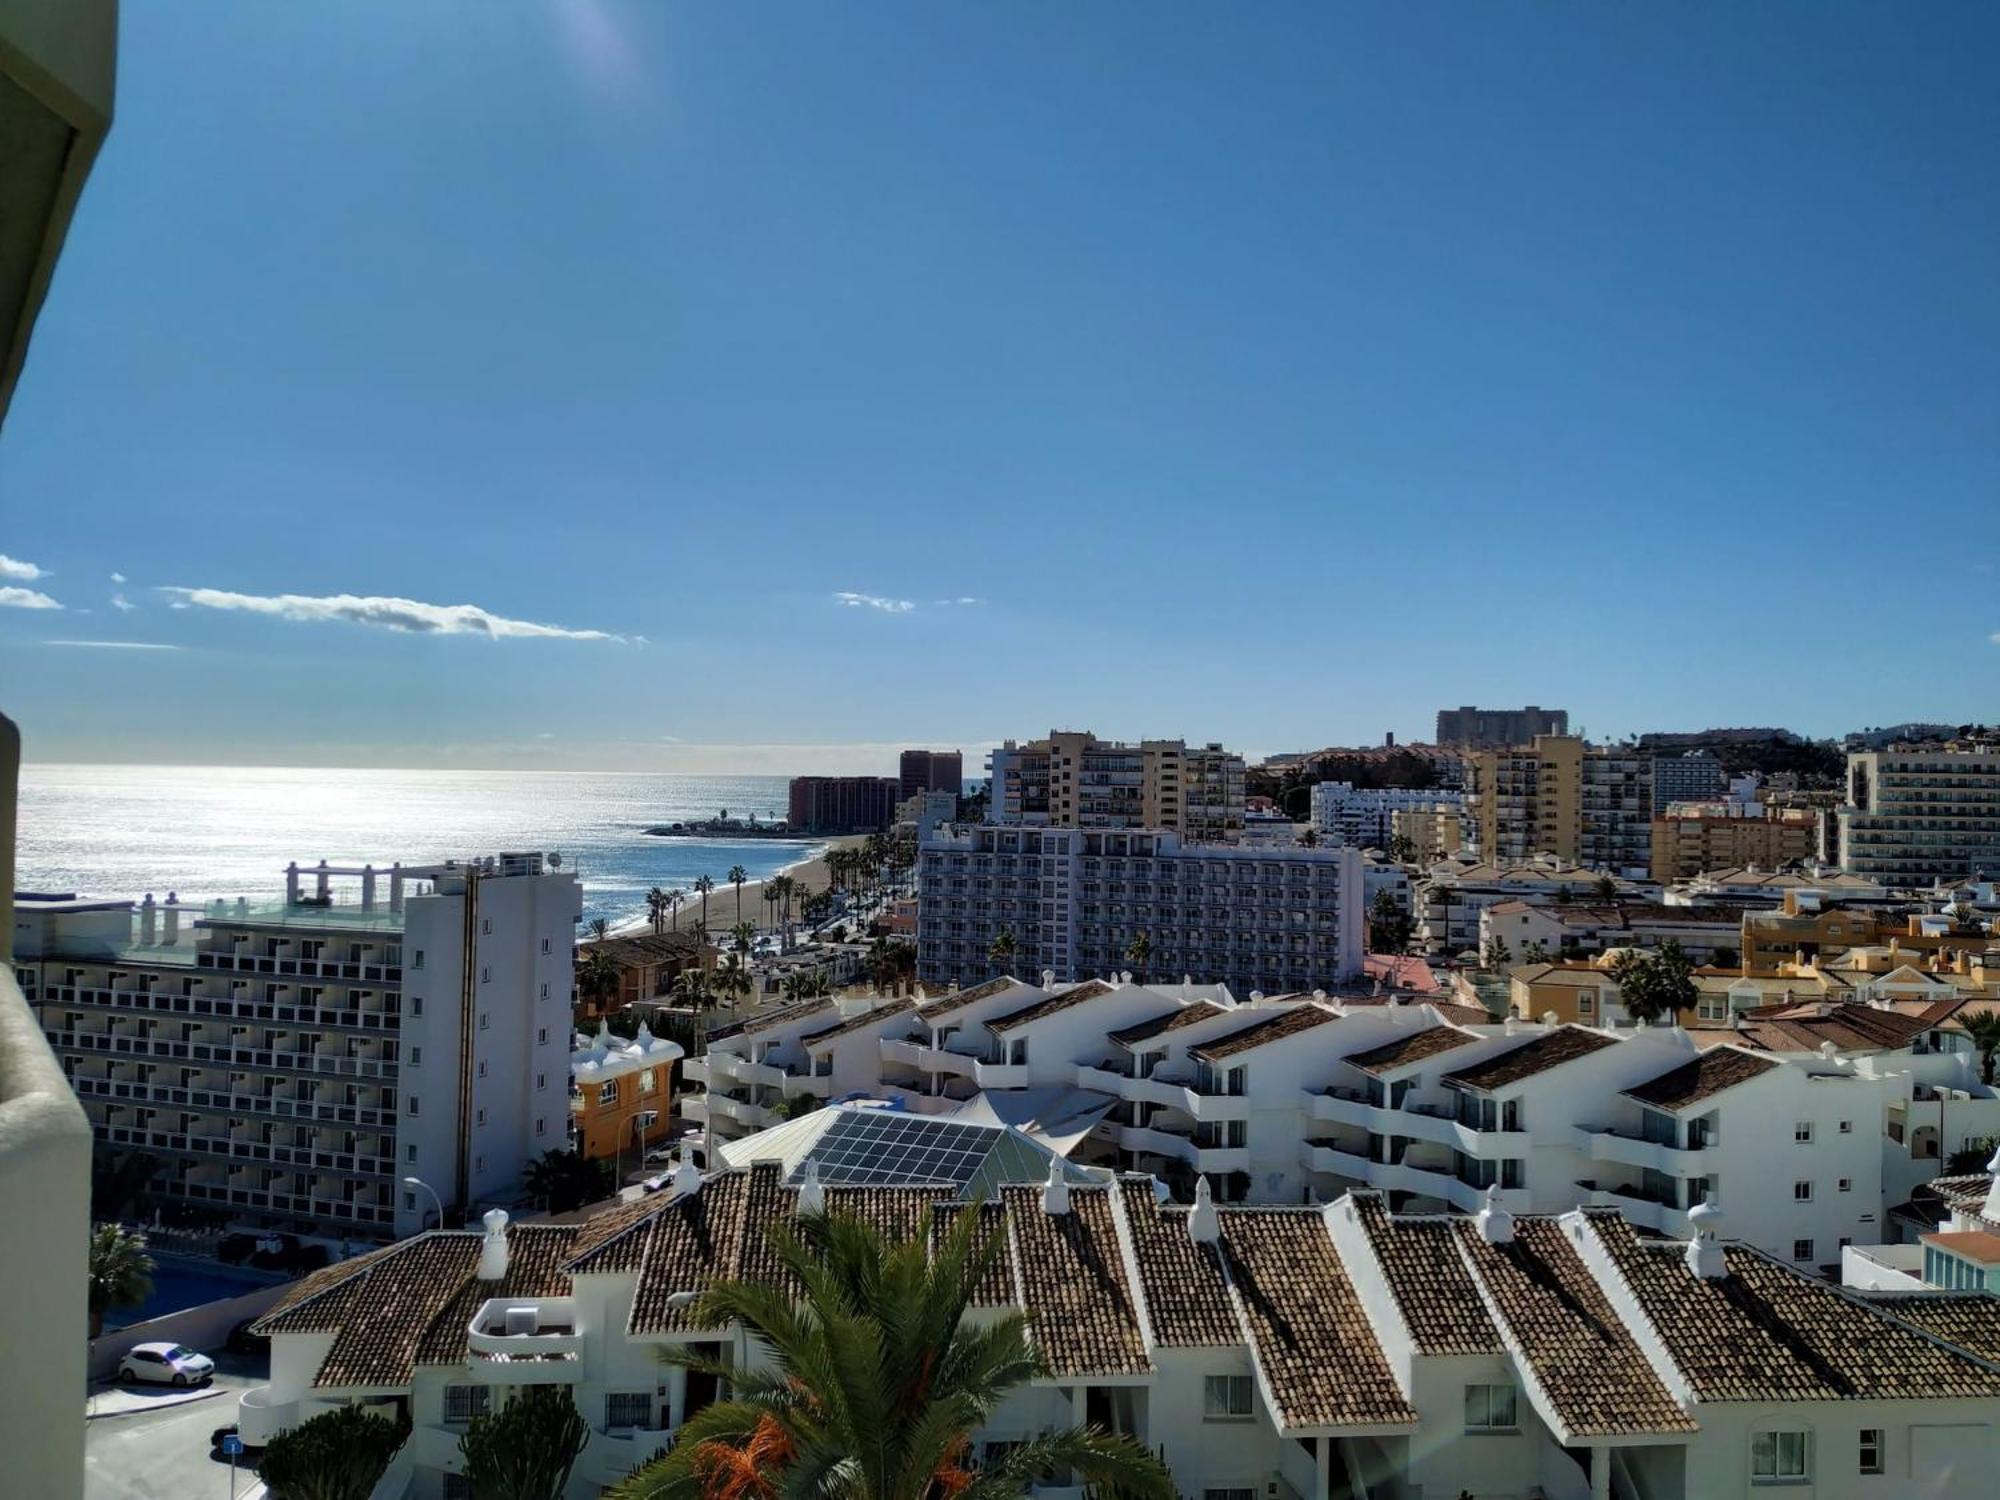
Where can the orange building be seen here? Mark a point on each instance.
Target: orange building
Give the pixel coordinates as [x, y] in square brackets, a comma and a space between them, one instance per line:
[620, 1092]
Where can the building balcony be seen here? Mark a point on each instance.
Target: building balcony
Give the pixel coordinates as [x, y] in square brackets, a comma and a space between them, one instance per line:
[1640, 1209]
[1404, 1176]
[1603, 1144]
[525, 1341]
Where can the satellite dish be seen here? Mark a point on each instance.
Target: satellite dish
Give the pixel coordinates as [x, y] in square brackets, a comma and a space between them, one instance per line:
[555, 861]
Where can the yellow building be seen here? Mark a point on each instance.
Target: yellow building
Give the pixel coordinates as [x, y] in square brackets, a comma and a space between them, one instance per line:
[1434, 833]
[1586, 804]
[620, 1092]
[1568, 993]
[1072, 779]
[1694, 838]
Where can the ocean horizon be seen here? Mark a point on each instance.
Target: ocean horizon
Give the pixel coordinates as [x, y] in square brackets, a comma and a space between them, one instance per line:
[209, 832]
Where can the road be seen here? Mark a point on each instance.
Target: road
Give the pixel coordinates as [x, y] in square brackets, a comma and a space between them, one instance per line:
[166, 1455]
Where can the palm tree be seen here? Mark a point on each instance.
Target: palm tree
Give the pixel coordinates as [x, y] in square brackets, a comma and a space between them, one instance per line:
[121, 1272]
[1002, 949]
[565, 1180]
[599, 975]
[703, 885]
[691, 988]
[338, 1455]
[732, 981]
[771, 901]
[737, 875]
[675, 896]
[1984, 1029]
[744, 935]
[598, 928]
[876, 1384]
[656, 907]
[1136, 953]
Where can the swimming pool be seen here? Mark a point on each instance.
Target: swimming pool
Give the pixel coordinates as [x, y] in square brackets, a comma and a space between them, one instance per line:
[181, 1282]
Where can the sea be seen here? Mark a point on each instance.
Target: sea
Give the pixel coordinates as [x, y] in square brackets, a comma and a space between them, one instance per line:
[209, 832]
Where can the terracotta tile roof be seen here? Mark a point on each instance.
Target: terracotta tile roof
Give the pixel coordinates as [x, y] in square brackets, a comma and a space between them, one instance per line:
[1079, 1305]
[1400, 971]
[1805, 1026]
[855, 1023]
[615, 1240]
[389, 1313]
[316, 1303]
[1049, 1005]
[535, 1257]
[1432, 1041]
[1427, 1277]
[1166, 1021]
[1308, 1334]
[1001, 1286]
[1555, 1317]
[1702, 1079]
[1981, 1245]
[944, 1005]
[1766, 1332]
[693, 1241]
[649, 947]
[1967, 1320]
[1186, 1295]
[1549, 1050]
[1276, 1028]
[784, 1015]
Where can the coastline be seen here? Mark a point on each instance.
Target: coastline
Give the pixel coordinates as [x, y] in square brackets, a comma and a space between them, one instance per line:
[810, 872]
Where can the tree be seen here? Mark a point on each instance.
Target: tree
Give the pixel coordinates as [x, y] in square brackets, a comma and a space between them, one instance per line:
[1137, 952]
[1310, 838]
[1965, 919]
[1496, 954]
[890, 964]
[338, 1455]
[732, 980]
[675, 896]
[1536, 952]
[599, 974]
[1725, 957]
[1389, 925]
[799, 1106]
[656, 907]
[118, 1183]
[737, 875]
[525, 1450]
[1402, 849]
[1984, 1029]
[692, 988]
[703, 884]
[564, 1180]
[1606, 888]
[1000, 952]
[598, 928]
[121, 1272]
[1564, 895]
[1657, 985]
[876, 1383]
[744, 936]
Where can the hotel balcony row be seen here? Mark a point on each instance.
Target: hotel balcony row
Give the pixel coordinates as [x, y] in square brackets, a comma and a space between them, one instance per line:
[716, 1071]
[1419, 1173]
[250, 1154]
[304, 968]
[320, 1195]
[1436, 1124]
[339, 1064]
[330, 1105]
[1170, 1088]
[1174, 1143]
[371, 1012]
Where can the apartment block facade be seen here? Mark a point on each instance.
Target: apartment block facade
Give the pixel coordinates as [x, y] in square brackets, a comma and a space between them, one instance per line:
[1590, 805]
[1493, 728]
[1074, 900]
[1915, 816]
[1365, 816]
[1692, 838]
[290, 1062]
[1072, 779]
[842, 804]
[1695, 776]
[920, 771]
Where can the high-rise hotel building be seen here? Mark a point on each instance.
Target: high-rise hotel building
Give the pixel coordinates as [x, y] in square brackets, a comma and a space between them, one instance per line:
[1075, 899]
[1922, 814]
[290, 1063]
[1586, 804]
[1072, 779]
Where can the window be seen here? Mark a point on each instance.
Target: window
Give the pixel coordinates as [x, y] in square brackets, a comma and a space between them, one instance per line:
[1802, 1249]
[416, 1005]
[410, 1199]
[1226, 1397]
[482, 1067]
[413, 1105]
[541, 1080]
[1490, 1408]
[479, 1164]
[486, 973]
[541, 1125]
[545, 989]
[1780, 1458]
[1586, 1002]
[1847, 1184]
[1802, 1192]
[1245, 1494]
[1871, 1450]
[482, 1117]
[484, 1020]
[464, 1402]
[410, 1153]
[627, 1409]
[607, 1093]
[416, 1058]
[542, 1037]
[1847, 1127]
[545, 949]
[1803, 1132]
[486, 926]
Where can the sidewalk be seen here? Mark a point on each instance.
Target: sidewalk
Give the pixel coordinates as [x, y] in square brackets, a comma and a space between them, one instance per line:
[109, 1399]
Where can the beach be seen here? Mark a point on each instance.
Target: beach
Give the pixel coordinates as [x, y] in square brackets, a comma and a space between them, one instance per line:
[812, 875]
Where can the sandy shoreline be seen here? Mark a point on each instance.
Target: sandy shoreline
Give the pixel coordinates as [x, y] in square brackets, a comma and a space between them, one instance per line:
[811, 873]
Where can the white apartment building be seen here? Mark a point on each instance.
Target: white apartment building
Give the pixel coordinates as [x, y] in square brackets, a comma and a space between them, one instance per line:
[1452, 894]
[1915, 816]
[1074, 900]
[1365, 816]
[1806, 1132]
[291, 1062]
[1338, 1351]
[1072, 779]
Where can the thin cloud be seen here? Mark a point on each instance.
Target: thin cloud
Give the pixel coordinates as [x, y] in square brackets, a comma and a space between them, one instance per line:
[13, 567]
[875, 601]
[117, 645]
[117, 577]
[119, 601]
[961, 599]
[406, 616]
[12, 597]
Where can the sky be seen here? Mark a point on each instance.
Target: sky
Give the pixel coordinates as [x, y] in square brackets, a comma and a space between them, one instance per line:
[761, 387]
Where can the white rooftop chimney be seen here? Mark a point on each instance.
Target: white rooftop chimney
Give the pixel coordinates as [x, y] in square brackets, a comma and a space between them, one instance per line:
[493, 1246]
[1990, 1209]
[1055, 1192]
[1494, 1223]
[1048, 979]
[1704, 1251]
[687, 1176]
[1204, 1227]
[812, 1196]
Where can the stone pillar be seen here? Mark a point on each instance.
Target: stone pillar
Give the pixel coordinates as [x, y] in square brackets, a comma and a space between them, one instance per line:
[368, 888]
[292, 883]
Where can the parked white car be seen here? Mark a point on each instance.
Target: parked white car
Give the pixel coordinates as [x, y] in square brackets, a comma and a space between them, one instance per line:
[165, 1364]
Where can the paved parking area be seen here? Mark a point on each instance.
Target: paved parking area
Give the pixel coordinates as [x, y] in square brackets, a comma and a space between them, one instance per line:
[147, 1446]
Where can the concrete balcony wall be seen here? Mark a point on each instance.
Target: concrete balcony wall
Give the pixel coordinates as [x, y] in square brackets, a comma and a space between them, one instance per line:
[1629, 1151]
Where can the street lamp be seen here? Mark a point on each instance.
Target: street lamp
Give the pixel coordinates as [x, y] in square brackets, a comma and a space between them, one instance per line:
[420, 1183]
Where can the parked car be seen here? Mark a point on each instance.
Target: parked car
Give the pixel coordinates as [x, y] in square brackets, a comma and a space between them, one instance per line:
[164, 1364]
[243, 1341]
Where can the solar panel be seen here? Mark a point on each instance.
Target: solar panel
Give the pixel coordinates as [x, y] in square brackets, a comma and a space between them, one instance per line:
[888, 1146]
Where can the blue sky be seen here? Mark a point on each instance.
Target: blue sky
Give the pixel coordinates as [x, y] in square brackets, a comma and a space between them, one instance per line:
[1272, 374]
